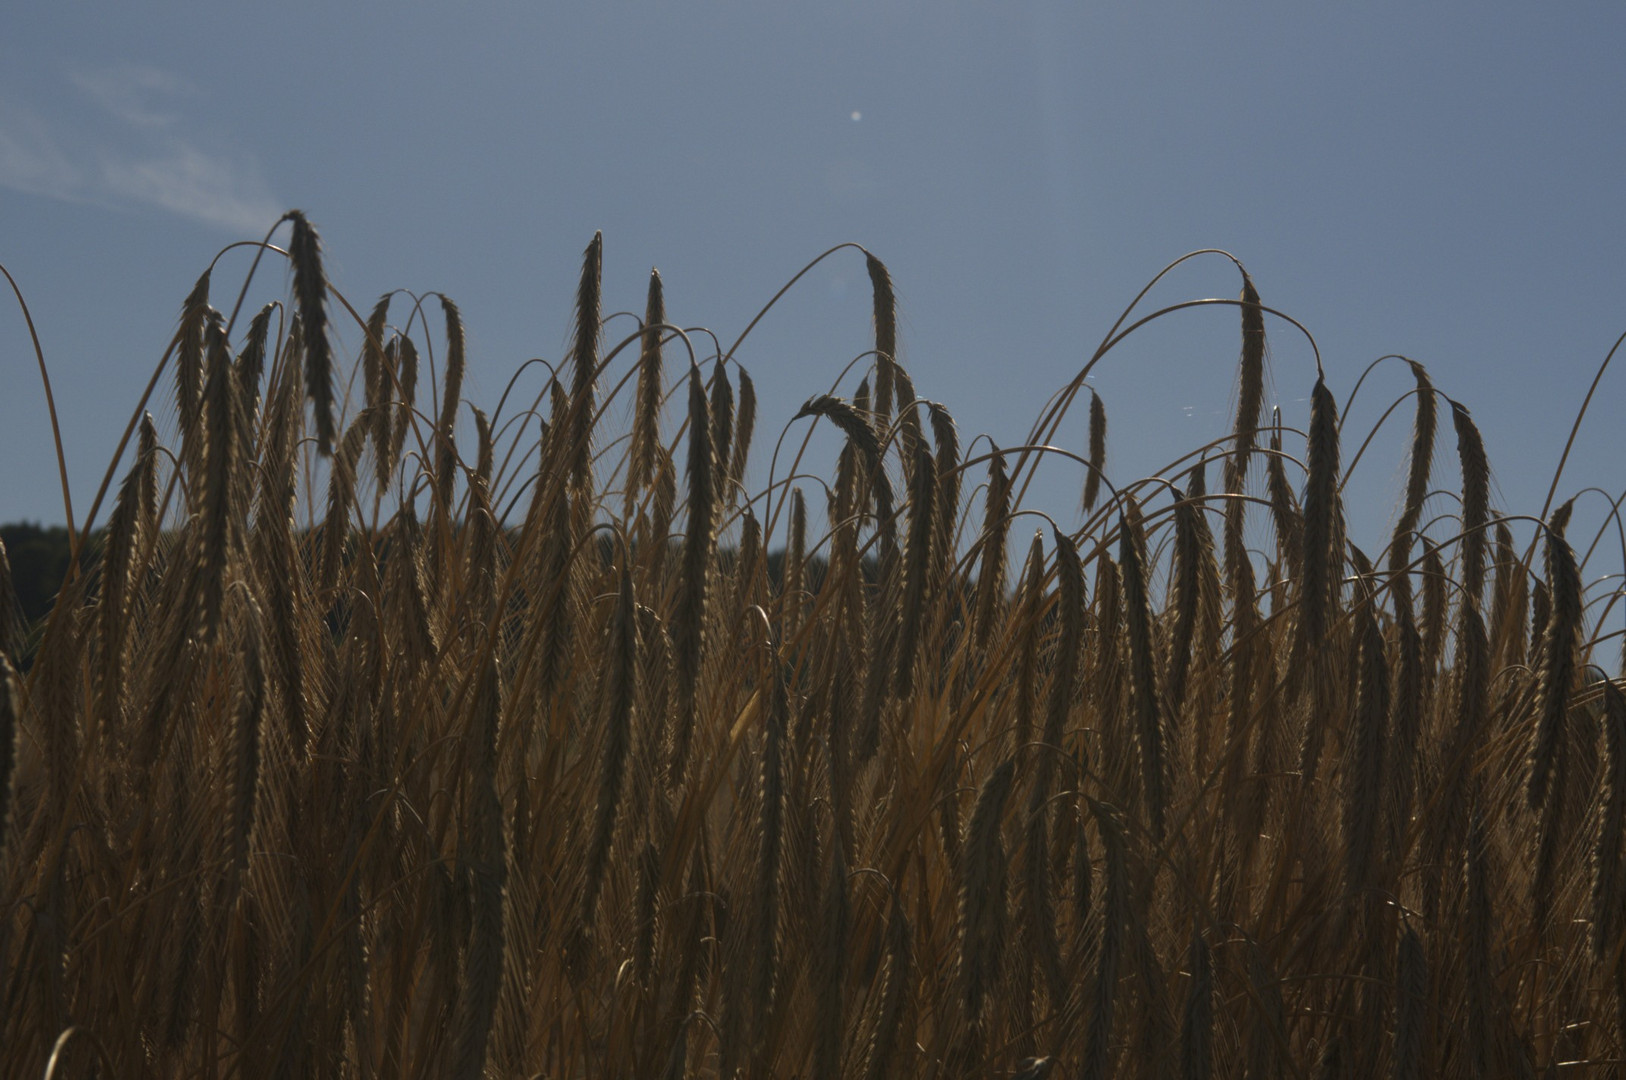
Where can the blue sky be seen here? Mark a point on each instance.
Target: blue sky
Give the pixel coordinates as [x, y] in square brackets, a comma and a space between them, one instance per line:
[1438, 180]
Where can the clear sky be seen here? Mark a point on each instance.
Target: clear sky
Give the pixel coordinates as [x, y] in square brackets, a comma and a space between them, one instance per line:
[1441, 180]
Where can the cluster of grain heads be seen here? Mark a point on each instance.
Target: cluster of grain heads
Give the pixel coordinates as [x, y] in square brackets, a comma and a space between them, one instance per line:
[380, 740]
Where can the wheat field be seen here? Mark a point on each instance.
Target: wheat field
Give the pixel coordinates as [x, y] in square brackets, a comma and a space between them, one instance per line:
[386, 737]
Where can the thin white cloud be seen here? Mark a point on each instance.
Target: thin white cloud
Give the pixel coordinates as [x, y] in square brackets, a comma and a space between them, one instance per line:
[133, 93]
[131, 148]
[180, 178]
[31, 159]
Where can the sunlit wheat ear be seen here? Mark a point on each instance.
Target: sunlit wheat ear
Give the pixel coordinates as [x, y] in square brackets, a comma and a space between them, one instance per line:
[147, 488]
[404, 595]
[1039, 907]
[310, 299]
[1185, 586]
[1250, 397]
[118, 553]
[689, 616]
[189, 358]
[861, 402]
[1475, 502]
[1321, 549]
[795, 575]
[376, 383]
[983, 892]
[883, 615]
[1406, 722]
[1064, 671]
[916, 568]
[247, 372]
[53, 693]
[12, 627]
[446, 425]
[1114, 930]
[646, 412]
[10, 725]
[991, 568]
[853, 424]
[1477, 961]
[897, 978]
[1460, 777]
[1424, 423]
[1364, 774]
[647, 908]
[1098, 451]
[1284, 506]
[1146, 703]
[243, 752]
[770, 834]
[220, 424]
[1541, 610]
[341, 495]
[1263, 1051]
[1197, 1029]
[910, 436]
[484, 959]
[1558, 657]
[722, 431]
[886, 335]
[1028, 629]
[617, 685]
[1411, 1007]
[745, 421]
[402, 355]
[584, 363]
[830, 967]
[1082, 866]
[1611, 823]
[1435, 582]
[947, 466]
[1510, 600]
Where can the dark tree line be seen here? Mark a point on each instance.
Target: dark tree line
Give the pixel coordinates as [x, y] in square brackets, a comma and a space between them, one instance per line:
[38, 556]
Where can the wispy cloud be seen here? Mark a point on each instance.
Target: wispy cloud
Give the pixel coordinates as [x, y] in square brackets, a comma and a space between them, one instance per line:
[132, 145]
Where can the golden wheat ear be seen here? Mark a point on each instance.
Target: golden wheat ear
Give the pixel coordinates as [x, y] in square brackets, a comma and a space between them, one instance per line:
[1250, 397]
[310, 298]
[10, 729]
[646, 423]
[1098, 451]
[886, 336]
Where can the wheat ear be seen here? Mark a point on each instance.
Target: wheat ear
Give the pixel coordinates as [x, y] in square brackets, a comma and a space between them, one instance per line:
[189, 359]
[689, 616]
[916, 570]
[1114, 926]
[1197, 1028]
[1475, 502]
[991, 568]
[1558, 659]
[10, 726]
[886, 334]
[1250, 397]
[1363, 791]
[1611, 826]
[983, 893]
[722, 430]
[310, 298]
[616, 690]
[1146, 702]
[646, 424]
[584, 365]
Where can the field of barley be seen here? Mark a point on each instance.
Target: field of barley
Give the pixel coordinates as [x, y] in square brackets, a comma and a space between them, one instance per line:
[389, 735]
